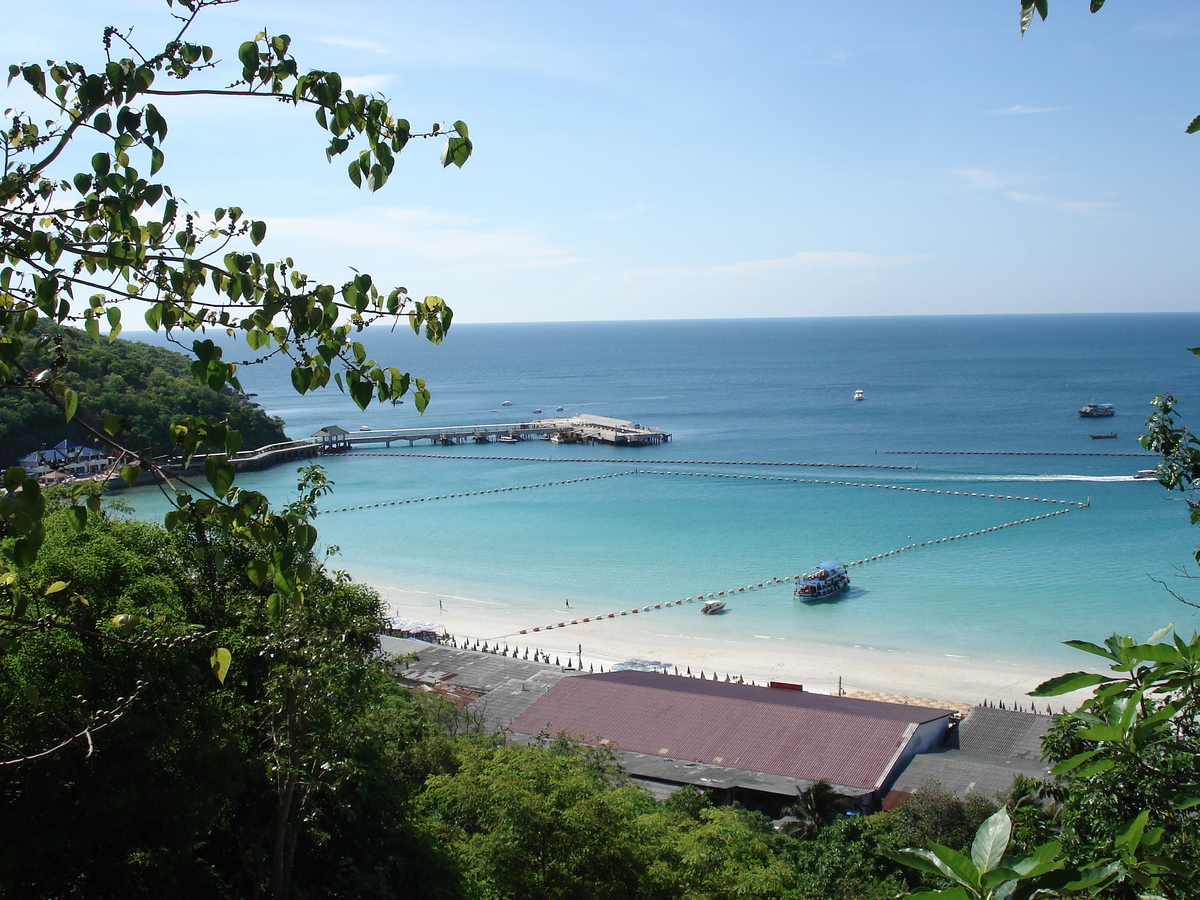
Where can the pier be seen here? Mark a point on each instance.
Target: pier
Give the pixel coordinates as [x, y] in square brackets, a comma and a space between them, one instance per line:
[582, 429]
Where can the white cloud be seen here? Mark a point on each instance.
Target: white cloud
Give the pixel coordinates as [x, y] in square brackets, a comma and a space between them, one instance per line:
[985, 179]
[1020, 109]
[355, 44]
[363, 84]
[1085, 207]
[429, 236]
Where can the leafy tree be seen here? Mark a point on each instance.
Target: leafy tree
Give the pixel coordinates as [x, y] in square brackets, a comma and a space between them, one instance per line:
[149, 388]
[295, 773]
[112, 233]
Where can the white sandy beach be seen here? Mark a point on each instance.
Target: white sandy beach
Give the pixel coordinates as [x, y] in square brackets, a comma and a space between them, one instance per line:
[649, 635]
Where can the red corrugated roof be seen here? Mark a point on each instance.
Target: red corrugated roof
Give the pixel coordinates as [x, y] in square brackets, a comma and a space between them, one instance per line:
[783, 732]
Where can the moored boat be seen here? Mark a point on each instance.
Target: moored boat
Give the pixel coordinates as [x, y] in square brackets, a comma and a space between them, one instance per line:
[826, 580]
[712, 606]
[1101, 437]
[1097, 410]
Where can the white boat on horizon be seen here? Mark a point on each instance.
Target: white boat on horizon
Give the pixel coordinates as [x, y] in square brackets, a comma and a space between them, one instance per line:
[858, 395]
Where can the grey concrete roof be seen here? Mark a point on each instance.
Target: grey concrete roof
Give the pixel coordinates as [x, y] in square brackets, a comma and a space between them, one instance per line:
[511, 685]
[982, 754]
[962, 772]
[1004, 733]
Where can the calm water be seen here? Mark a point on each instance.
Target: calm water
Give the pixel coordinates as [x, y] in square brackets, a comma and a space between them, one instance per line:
[780, 391]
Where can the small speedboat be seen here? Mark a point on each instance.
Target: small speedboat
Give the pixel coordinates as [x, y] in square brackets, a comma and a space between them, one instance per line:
[1146, 475]
[536, 412]
[506, 403]
[712, 606]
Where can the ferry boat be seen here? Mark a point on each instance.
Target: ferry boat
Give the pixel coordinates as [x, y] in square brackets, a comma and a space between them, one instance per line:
[826, 580]
[1097, 410]
[858, 395]
[712, 606]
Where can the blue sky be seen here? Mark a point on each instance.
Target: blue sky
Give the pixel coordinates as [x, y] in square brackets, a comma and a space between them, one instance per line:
[660, 160]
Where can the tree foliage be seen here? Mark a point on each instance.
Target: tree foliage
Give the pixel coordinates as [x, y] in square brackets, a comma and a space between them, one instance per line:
[148, 388]
[75, 244]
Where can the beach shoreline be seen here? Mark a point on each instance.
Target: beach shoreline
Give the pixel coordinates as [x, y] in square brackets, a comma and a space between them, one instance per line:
[651, 635]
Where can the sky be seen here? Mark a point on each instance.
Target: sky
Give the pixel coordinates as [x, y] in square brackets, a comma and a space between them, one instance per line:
[663, 160]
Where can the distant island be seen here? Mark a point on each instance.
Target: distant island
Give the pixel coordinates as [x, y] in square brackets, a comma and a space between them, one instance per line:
[150, 387]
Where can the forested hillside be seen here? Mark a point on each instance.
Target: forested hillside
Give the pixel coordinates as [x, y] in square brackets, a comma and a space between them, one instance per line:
[147, 386]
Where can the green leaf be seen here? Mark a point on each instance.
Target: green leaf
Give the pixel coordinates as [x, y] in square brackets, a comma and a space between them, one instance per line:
[1073, 762]
[954, 864]
[220, 474]
[71, 403]
[1064, 684]
[1194, 127]
[130, 474]
[77, 518]
[220, 660]
[301, 379]
[361, 392]
[258, 231]
[991, 840]
[57, 587]
[1132, 835]
[112, 424]
[257, 570]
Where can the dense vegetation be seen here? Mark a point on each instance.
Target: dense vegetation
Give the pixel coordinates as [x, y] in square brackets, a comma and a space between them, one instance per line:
[148, 387]
[308, 744]
[200, 710]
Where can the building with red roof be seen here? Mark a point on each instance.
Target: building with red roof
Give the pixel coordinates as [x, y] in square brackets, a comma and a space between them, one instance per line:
[758, 745]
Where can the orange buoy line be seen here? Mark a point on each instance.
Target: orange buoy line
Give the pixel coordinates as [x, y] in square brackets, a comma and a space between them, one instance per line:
[1068, 506]
[518, 487]
[660, 462]
[1005, 453]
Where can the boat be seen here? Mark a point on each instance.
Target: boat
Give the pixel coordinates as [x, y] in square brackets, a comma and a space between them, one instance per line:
[558, 409]
[858, 395]
[364, 427]
[1097, 410]
[712, 606]
[1146, 475]
[826, 580]
[536, 411]
[506, 439]
[506, 403]
[1101, 437]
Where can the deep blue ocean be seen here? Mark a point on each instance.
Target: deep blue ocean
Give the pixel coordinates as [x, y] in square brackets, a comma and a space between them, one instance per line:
[780, 391]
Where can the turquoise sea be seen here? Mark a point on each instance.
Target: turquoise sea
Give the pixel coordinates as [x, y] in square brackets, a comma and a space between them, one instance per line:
[773, 392]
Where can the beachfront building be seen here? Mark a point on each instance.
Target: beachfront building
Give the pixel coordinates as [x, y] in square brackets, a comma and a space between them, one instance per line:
[67, 459]
[758, 746]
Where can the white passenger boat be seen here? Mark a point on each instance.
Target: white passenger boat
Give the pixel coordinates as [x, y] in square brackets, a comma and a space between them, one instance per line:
[858, 395]
[712, 606]
[826, 580]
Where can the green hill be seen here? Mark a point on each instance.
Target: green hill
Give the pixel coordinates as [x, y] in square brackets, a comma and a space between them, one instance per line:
[148, 386]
